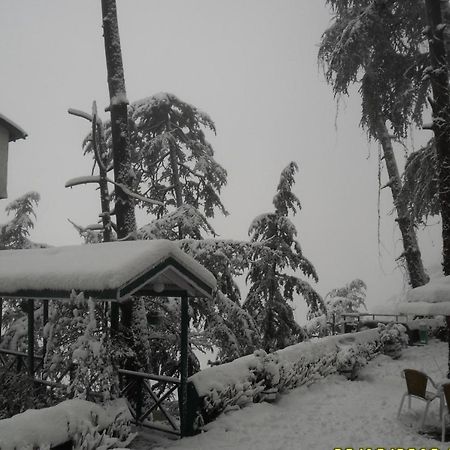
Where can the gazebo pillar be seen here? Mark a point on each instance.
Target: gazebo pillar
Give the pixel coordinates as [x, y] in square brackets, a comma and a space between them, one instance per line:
[30, 313]
[184, 343]
[447, 320]
[44, 322]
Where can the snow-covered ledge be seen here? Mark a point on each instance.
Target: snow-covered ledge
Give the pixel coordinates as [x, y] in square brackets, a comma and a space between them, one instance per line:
[429, 300]
[48, 427]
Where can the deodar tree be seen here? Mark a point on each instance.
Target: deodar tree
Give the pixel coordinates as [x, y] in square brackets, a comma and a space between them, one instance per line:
[273, 270]
[379, 46]
[173, 164]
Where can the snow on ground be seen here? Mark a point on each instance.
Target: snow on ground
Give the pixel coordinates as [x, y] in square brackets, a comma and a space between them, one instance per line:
[332, 413]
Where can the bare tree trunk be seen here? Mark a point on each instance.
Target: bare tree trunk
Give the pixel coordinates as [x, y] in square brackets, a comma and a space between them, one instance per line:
[417, 275]
[124, 207]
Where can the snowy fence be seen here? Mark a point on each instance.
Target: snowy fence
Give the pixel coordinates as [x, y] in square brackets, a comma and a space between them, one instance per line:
[262, 376]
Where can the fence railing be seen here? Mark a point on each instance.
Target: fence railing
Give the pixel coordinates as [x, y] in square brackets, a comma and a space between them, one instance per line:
[152, 398]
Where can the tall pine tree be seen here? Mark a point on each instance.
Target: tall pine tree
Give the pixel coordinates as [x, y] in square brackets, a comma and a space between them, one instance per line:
[174, 164]
[378, 44]
[274, 267]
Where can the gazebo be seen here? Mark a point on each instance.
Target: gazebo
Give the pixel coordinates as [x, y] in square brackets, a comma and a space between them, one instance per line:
[113, 271]
[9, 132]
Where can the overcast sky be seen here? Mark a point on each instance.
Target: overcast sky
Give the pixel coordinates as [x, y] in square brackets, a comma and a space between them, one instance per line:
[252, 66]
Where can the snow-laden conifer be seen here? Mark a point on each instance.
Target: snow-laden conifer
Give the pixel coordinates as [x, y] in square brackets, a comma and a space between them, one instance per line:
[274, 267]
[15, 233]
[420, 189]
[380, 46]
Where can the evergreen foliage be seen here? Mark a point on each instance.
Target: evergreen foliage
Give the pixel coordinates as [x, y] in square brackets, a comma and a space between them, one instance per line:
[173, 163]
[15, 233]
[420, 188]
[77, 342]
[222, 322]
[272, 287]
[380, 45]
[347, 299]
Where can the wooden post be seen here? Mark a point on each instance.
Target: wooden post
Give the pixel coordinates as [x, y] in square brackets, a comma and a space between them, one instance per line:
[44, 322]
[139, 399]
[184, 342]
[30, 313]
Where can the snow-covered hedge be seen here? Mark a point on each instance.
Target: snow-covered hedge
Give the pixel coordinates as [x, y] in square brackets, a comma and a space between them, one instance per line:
[82, 422]
[261, 376]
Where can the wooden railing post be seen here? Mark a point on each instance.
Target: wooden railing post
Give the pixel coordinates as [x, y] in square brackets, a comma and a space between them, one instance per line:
[30, 312]
[184, 363]
[139, 399]
[44, 322]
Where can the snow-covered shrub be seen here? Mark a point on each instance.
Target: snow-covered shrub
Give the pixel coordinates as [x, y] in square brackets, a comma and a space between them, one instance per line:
[91, 436]
[349, 361]
[86, 424]
[317, 327]
[256, 377]
[393, 338]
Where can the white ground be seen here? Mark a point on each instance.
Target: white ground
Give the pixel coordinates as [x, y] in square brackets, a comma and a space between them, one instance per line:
[332, 413]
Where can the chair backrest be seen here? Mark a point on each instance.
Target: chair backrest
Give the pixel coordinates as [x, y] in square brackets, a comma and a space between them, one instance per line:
[446, 390]
[416, 382]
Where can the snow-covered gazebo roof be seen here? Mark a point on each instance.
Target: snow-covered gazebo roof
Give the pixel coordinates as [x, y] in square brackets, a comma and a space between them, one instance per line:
[108, 271]
[15, 132]
[431, 299]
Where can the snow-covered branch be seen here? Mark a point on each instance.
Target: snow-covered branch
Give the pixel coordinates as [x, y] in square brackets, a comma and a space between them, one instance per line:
[82, 180]
[135, 195]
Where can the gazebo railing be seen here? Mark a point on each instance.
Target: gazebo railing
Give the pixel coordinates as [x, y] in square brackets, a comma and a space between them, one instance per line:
[147, 395]
[12, 361]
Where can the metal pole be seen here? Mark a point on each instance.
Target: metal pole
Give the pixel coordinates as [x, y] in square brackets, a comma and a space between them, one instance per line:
[30, 312]
[184, 362]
